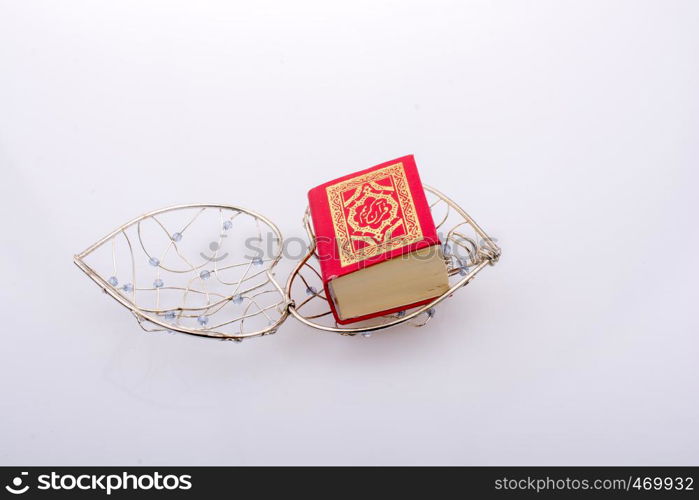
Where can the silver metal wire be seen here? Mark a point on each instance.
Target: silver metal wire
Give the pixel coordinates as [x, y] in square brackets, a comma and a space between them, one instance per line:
[173, 309]
[479, 251]
[168, 304]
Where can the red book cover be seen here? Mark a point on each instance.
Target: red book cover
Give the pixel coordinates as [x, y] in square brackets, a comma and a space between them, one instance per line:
[368, 217]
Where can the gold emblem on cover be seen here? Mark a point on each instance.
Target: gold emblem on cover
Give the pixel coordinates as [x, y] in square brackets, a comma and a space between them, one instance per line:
[373, 213]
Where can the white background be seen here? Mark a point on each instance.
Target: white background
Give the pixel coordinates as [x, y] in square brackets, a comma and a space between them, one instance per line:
[567, 129]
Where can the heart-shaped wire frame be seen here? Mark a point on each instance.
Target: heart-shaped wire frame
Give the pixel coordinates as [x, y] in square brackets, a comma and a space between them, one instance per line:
[467, 250]
[224, 314]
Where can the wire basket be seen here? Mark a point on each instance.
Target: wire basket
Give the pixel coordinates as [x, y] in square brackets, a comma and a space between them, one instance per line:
[153, 265]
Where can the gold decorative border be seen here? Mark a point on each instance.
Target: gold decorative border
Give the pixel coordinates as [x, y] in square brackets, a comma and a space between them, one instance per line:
[348, 255]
